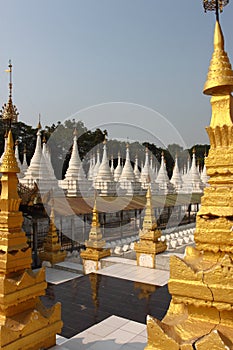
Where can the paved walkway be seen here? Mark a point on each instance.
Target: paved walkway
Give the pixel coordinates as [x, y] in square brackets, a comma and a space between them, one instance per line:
[114, 332]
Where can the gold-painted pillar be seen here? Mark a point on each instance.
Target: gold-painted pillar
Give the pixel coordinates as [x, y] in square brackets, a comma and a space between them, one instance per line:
[200, 315]
[52, 247]
[149, 244]
[95, 250]
[24, 322]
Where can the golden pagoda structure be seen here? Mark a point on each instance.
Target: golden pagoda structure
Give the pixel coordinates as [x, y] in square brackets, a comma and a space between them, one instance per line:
[200, 315]
[149, 244]
[25, 322]
[52, 247]
[95, 250]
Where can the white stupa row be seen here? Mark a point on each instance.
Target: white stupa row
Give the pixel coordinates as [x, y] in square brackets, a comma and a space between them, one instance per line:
[123, 180]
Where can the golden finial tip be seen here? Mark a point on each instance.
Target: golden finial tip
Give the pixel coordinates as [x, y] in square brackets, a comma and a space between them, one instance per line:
[218, 37]
[220, 75]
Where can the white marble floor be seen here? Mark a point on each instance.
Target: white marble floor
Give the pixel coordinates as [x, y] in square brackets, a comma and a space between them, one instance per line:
[136, 273]
[114, 333]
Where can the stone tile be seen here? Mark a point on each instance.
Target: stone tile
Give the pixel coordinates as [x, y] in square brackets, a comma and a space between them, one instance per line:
[133, 327]
[120, 336]
[59, 276]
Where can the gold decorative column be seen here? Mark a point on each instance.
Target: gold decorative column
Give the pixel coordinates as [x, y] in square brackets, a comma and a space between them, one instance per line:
[149, 244]
[24, 322]
[200, 315]
[52, 248]
[95, 250]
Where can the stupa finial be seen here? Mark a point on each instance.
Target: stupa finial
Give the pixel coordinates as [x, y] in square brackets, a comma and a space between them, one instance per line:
[39, 123]
[215, 5]
[220, 75]
[95, 218]
[9, 113]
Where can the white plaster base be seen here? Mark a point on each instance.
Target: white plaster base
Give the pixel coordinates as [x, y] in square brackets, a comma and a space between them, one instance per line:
[146, 260]
[91, 266]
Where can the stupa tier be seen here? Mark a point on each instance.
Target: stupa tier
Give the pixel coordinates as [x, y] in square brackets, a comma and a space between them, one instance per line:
[200, 315]
[25, 322]
[150, 243]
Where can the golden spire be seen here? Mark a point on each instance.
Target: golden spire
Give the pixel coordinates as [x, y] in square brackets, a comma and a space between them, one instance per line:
[9, 163]
[220, 76]
[9, 113]
[149, 222]
[95, 235]
[95, 244]
[52, 247]
[95, 217]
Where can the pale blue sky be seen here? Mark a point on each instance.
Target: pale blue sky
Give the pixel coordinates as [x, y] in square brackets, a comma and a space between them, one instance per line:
[71, 54]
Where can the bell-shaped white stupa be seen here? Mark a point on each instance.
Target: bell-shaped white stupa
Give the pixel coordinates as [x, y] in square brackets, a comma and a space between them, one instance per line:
[24, 166]
[97, 165]
[104, 182]
[192, 181]
[20, 174]
[136, 170]
[75, 182]
[176, 179]
[146, 172]
[127, 183]
[39, 171]
[91, 168]
[204, 176]
[162, 182]
[118, 170]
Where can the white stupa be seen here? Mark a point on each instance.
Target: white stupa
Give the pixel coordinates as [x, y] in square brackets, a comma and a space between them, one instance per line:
[204, 176]
[39, 170]
[20, 174]
[127, 183]
[162, 182]
[91, 168]
[112, 165]
[176, 179]
[146, 174]
[97, 165]
[104, 181]
[24, 166]
[118, 170]
[75, 181]
[192, 181]
[152, 169]
[136, 171]
[33, 172]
